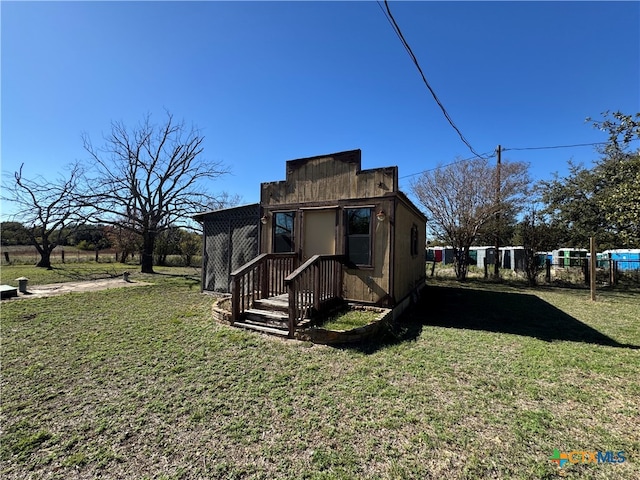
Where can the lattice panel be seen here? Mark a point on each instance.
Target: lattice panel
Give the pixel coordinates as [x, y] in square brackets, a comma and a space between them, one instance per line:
[229, 244]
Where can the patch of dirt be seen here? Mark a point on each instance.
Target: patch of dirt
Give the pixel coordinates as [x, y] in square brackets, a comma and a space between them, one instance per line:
[39, 291]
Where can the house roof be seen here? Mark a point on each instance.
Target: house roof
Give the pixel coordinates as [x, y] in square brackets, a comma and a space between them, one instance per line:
[241, 210]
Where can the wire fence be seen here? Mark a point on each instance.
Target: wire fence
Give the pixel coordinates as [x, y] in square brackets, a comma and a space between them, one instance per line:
[28, 255]
[570, 271]
[609, 272]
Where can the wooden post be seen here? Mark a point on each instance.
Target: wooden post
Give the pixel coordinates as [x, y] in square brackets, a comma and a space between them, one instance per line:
[486, 270]
[610, 272]
[585, 271]
[265, 267]
[547, 264]
[592, 268]
[496, 268]
[293, 308]
[235, 299]
[316, 271]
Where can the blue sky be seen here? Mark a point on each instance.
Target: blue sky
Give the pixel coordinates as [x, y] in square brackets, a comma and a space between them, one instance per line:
[268, 82]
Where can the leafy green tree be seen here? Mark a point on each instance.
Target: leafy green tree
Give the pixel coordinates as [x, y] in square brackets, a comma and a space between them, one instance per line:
[14, 233]
[167, 243]
[506, 225]
[90, 237]
[536, 234]
[190, 246]
[602, 201]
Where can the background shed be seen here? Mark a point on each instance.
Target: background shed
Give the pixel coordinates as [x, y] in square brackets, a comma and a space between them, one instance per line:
[229, 240]
[627, 258]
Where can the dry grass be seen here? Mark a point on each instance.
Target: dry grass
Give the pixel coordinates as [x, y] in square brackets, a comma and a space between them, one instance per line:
[480, 382]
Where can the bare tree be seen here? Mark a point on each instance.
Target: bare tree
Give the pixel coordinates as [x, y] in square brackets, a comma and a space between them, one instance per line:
[460, 199]
[153, 176]
[125, 241]
[47, 208]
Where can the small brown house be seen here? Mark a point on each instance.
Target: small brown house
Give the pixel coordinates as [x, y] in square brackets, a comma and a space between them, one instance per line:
[329, 205]
[332, 230]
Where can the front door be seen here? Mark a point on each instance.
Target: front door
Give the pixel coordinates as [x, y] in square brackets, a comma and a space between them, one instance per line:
[319, 232]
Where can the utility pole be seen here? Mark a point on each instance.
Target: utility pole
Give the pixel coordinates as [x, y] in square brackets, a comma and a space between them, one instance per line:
[592, 268]
[496, 271]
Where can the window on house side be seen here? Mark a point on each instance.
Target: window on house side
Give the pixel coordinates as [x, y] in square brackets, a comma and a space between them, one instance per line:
[358, 234]
[283, 224]
[414, 240]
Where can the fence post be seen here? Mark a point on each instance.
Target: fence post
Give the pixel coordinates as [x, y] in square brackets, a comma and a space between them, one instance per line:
[592, 267]
[486, 270]
[547, 264]
[611, 273]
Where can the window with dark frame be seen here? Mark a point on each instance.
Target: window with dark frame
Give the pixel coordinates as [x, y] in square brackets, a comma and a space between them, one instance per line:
[414, 240]
[283, 225]
[358, 235]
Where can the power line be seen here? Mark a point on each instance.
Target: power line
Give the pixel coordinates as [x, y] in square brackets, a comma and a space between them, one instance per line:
[398, 32]
[556, 146]
[504, 149]
[594, 144]
[484, 156]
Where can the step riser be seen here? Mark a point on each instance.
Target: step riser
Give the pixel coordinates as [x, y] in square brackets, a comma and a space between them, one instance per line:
[263, 329]
[275, 316]
[266, 322]
[273, 306]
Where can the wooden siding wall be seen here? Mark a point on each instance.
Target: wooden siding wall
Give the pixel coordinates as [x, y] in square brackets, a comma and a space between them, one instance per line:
[408, 269]
[337, 181]
[373, 284]
[326, 179]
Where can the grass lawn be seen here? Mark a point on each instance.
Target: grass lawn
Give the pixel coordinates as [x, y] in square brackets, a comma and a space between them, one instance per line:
[480, 381]
[350, 319]
[76, 272]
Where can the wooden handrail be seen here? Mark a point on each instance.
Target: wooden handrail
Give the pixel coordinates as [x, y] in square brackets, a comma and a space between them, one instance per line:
[260, 278]
[312, 285]
[249, 265]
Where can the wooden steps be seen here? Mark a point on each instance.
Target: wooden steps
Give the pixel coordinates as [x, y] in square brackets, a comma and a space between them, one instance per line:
[279, 303]
[270, 315]
[267, 315]
[263, 328]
